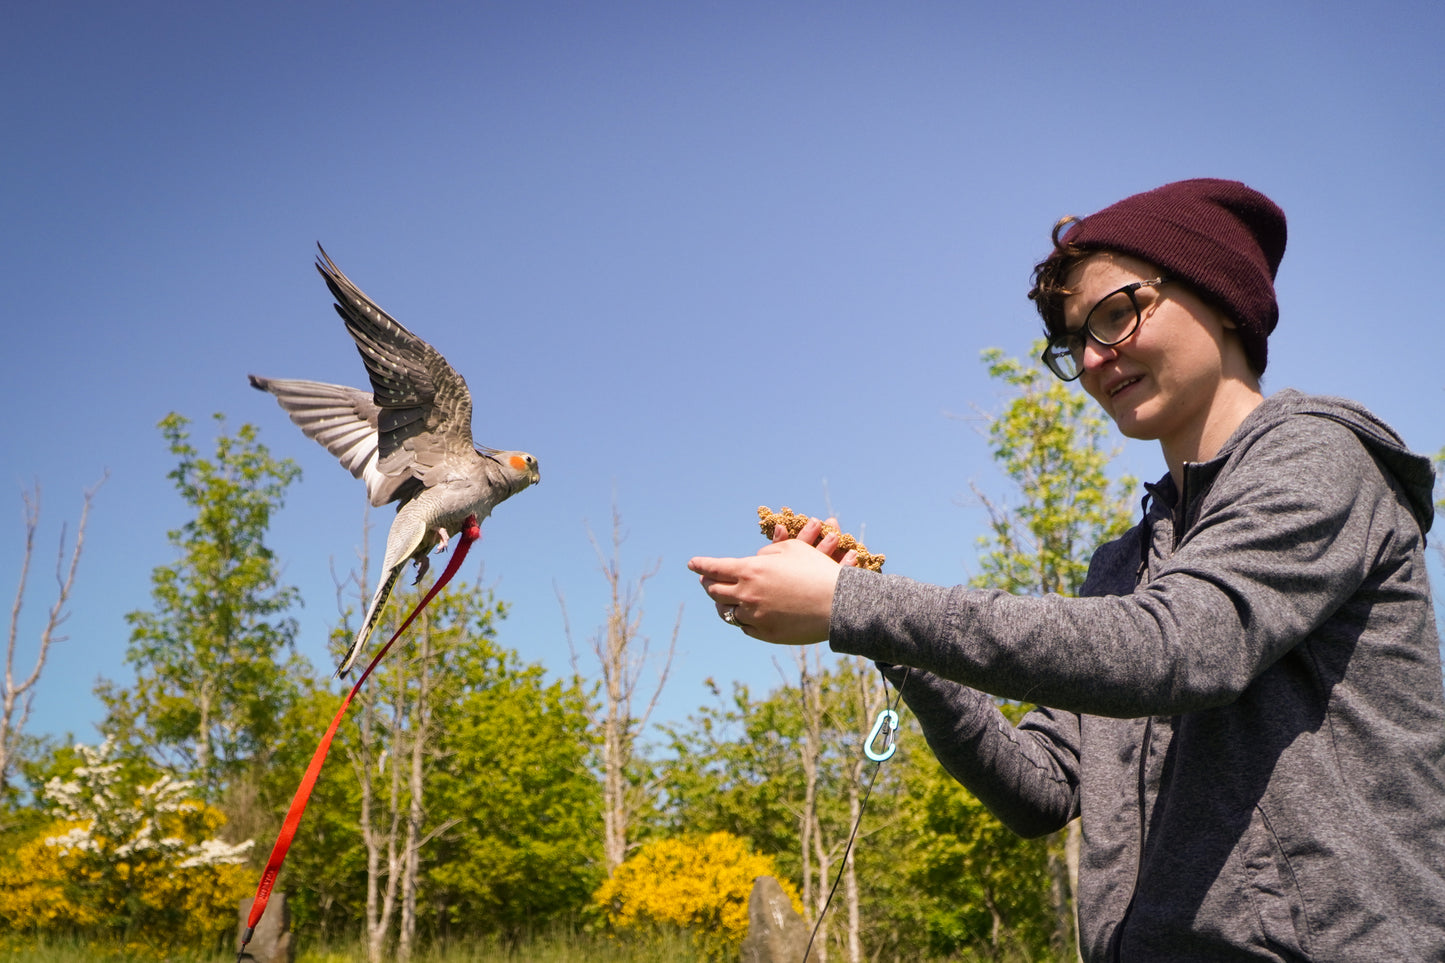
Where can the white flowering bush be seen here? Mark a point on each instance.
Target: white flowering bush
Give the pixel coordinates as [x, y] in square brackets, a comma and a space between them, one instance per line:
[120, 827]
[137, 862]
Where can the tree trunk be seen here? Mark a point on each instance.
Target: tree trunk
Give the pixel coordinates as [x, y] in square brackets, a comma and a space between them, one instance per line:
[866, 693]
[1071, 858]
[850, 876]
[616, 648]
[616, 741]
[362, 763]
[203, 733]
[820, 850]
[416, 810]
[381, 901]
[808, 685]
[1063, 869]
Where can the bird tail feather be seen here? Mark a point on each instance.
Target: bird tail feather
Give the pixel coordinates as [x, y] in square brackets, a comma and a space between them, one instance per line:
[373, 615]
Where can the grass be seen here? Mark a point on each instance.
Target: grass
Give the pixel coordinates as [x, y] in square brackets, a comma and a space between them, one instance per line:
[560, 948]
[565, 948]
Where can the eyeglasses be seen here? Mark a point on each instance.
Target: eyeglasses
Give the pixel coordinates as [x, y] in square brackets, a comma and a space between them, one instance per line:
[1112, 320]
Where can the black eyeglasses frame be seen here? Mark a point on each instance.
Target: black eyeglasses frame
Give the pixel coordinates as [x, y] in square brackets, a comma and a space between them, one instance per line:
[1071, 344]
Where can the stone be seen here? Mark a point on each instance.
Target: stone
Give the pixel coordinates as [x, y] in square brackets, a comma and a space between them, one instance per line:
[776, 933]
[273, 941]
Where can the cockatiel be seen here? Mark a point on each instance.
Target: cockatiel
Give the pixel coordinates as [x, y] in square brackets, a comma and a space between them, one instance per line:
[409, 439]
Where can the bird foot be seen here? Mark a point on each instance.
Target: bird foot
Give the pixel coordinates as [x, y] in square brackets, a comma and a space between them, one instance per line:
[422, 564]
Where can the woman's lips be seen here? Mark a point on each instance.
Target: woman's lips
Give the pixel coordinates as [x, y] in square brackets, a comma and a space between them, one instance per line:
[1117, 387]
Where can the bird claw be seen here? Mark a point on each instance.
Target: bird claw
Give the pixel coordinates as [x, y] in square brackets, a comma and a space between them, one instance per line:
[422, 564]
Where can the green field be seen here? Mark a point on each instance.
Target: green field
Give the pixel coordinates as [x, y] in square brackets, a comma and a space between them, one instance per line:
[560, 949]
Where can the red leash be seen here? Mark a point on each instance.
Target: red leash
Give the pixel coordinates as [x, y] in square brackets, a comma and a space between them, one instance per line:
[470, 533]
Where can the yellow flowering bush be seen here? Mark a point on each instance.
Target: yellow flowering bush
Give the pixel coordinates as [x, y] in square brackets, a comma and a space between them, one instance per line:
[139, 862]
[699, 883]
[34, 884]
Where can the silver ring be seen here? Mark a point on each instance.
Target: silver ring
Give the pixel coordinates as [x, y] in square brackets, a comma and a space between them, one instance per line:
[730, 616]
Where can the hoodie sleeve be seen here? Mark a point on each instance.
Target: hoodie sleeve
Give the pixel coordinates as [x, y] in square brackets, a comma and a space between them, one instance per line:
[1026, 776]
[1285, 536]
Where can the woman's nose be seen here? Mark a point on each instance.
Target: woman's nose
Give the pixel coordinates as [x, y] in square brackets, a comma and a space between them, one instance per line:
[1096, 354]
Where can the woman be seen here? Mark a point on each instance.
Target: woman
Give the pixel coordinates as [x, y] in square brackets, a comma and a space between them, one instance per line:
[1245, 706]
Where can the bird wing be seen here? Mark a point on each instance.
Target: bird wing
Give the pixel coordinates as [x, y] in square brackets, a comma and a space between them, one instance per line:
[424, 416]
[344, 421]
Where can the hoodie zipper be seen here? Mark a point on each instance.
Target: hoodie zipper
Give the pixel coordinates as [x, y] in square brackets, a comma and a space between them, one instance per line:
[1180, 513]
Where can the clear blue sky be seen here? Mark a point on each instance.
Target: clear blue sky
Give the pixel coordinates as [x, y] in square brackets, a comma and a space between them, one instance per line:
[694, 256]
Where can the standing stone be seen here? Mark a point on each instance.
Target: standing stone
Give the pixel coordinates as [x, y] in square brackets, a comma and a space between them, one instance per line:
[776, 933]
[272, 942]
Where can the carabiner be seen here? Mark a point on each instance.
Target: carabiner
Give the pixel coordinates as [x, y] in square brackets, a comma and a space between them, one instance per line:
[887, 727]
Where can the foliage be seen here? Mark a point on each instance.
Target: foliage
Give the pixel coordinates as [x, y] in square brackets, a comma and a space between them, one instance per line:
[209, 685]
[526, 847]
[734, 768]
[510, 799]
[130, 862]
[1049, 442]
[698, 883]
[1439, 460]
[987, 887]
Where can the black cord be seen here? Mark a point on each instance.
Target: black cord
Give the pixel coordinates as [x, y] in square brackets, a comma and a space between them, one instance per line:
[862, 805]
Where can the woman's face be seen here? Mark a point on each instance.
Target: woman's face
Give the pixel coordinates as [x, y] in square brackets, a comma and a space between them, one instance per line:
[1170, 380]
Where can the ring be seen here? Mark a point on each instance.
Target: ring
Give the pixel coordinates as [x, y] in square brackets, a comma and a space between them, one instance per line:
[730, 616]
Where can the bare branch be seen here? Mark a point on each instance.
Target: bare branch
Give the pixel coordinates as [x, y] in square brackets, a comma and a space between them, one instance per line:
[623, 653]
[17, 698]
[567, 631]
[664, 671]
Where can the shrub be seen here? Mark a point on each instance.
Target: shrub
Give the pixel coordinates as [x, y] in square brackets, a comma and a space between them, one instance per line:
[698, 883]
[124, 863]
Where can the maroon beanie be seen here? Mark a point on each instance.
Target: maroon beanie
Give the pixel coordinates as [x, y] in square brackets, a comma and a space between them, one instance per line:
[1221, 238]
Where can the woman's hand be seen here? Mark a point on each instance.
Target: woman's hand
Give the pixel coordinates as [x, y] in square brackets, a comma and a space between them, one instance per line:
[783, 594]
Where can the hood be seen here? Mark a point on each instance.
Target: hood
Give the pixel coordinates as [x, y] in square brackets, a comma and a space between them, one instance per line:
[1414, 473]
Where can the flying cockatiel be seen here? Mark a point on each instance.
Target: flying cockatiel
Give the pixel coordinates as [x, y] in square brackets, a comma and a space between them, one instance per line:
[409, 439]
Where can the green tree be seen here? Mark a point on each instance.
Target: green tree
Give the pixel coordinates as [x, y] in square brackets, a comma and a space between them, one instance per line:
[735, 767]
[473, 775]
[213, 655]
[519, 781]
[979, 888]
[324, 877]
[1050, 442]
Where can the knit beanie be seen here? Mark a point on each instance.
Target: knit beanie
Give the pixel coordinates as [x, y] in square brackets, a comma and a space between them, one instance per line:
[1220, 237]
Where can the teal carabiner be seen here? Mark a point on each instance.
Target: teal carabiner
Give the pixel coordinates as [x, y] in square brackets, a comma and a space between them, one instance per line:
[887, 727]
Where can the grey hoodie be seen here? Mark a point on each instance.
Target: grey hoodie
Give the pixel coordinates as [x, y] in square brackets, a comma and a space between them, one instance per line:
[1246, 708]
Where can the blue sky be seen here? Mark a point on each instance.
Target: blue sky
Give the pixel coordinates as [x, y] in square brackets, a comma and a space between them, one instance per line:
[696, 257]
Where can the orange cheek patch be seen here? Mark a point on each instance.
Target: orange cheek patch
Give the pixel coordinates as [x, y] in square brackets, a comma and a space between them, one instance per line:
[518, 462]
